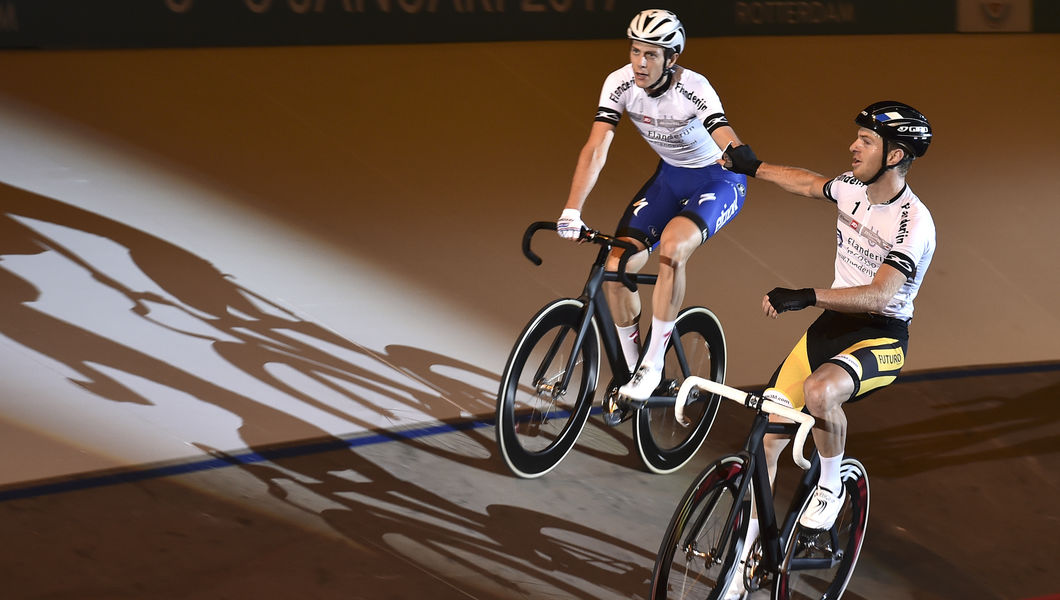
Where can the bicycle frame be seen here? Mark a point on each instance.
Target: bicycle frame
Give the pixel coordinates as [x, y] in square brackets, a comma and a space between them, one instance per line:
[545, 376]
[757, 478]
[595, 302]
[773, 538]
[788, 553]
[596, 307]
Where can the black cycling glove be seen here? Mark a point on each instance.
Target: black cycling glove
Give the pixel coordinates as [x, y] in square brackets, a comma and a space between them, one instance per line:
[783, 299]
[742, 160]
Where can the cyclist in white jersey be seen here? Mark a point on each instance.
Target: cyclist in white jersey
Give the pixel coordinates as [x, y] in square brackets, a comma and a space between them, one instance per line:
[688, 199]
[885, 241]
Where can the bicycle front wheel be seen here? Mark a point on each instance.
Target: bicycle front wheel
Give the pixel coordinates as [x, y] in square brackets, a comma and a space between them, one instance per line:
[538, 419]
[697, 347]
[692, 563]
[818, 564]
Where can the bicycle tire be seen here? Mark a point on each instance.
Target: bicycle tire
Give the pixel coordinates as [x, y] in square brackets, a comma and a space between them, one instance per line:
[663, 444]
[535, 429]
[689, 563]
[841, 545]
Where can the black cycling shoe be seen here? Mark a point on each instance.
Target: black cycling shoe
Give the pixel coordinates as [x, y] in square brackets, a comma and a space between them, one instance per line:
[616, 409]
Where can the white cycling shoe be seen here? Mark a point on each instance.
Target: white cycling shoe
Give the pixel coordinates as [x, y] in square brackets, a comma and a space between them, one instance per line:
[643, 383]
[823, 509]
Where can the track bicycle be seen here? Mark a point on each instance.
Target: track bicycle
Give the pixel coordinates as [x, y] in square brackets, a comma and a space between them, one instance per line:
[550, 379]
[702, 549]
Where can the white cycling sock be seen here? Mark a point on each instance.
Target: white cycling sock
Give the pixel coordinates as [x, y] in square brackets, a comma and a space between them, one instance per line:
[660, 336]
[830, 475]
[629, 337]
[752, 534]
[736, 588]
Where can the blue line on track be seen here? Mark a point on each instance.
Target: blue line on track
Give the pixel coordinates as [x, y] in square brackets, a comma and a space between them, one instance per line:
[251, 457]
[234, 459]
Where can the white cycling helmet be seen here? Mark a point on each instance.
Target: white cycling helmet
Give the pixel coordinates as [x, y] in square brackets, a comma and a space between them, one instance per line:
[659, 27]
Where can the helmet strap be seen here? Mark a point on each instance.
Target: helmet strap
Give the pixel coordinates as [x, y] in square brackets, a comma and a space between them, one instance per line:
[884, 167]
[659, 87]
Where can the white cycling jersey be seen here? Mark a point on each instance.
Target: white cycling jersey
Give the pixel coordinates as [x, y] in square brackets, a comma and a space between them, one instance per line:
[900, 233]
[676, 123]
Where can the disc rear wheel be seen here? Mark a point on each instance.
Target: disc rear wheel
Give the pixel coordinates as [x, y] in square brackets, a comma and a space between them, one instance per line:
[818, 564]
[697, 347]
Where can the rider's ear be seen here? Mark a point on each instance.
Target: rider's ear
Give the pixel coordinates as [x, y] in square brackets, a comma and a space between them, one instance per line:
[895, 156]
[673, 60]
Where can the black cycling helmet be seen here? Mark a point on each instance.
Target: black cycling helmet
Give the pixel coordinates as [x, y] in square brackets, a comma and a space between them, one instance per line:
[899, 123]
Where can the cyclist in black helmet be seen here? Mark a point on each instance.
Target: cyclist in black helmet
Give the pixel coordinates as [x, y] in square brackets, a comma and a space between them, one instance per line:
[886, 239]
[688, 198]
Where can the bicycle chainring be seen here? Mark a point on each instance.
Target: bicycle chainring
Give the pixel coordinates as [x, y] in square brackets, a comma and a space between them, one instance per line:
[754, 576]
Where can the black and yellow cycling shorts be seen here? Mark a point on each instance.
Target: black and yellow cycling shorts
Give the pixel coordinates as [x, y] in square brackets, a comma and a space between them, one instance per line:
[871, 348]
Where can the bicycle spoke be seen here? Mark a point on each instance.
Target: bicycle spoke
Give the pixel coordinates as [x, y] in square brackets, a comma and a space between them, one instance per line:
[548, 359]
[546, 396]
[696, 557]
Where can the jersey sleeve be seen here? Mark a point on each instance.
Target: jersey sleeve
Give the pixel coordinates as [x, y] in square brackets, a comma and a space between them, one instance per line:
[613, 96]
[715, 121]
[702, 95]
[837, 187]
[914, 240]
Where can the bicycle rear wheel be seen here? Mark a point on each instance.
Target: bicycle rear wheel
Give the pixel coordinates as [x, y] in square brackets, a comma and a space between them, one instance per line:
[537, 421]
[697, 347]
[691, 562]
[818, 564]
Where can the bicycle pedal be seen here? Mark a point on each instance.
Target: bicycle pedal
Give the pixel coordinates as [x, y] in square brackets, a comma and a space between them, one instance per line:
[616, 409]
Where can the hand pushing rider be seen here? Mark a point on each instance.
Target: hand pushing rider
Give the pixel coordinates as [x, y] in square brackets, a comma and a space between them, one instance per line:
[885, 242]
[686, 201]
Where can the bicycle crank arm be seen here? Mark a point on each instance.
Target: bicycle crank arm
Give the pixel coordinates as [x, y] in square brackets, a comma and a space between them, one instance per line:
[653, 402]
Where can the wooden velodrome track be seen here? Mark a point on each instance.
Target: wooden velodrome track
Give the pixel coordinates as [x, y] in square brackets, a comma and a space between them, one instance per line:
[256, 301]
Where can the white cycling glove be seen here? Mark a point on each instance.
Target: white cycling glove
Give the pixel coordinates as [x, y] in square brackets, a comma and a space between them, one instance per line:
[569, 225]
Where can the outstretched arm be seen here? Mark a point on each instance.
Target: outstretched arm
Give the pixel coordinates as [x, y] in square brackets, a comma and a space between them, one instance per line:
[794, 179]
[741, 159]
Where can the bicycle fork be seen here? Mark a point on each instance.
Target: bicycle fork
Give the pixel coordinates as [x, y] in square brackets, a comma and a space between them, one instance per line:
[555, 388]
[755, 480]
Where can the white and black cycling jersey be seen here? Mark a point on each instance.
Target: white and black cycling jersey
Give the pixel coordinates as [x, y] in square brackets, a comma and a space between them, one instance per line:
[899, 233]
[676, 123]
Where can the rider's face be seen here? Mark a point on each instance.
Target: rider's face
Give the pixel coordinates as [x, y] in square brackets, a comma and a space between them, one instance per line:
[649, 62]
[867, 153]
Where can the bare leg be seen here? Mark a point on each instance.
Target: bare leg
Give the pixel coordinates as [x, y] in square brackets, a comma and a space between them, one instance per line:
[625, 304]
[679, 240]
[826, 390]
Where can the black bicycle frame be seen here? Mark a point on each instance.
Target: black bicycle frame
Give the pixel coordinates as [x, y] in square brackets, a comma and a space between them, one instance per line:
[773, 538]
[596, 307]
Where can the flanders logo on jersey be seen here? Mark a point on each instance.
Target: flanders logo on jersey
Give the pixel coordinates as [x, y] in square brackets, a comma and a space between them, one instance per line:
[889, 360]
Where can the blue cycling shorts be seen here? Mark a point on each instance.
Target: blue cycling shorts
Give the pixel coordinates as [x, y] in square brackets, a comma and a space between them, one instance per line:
[710, 196]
